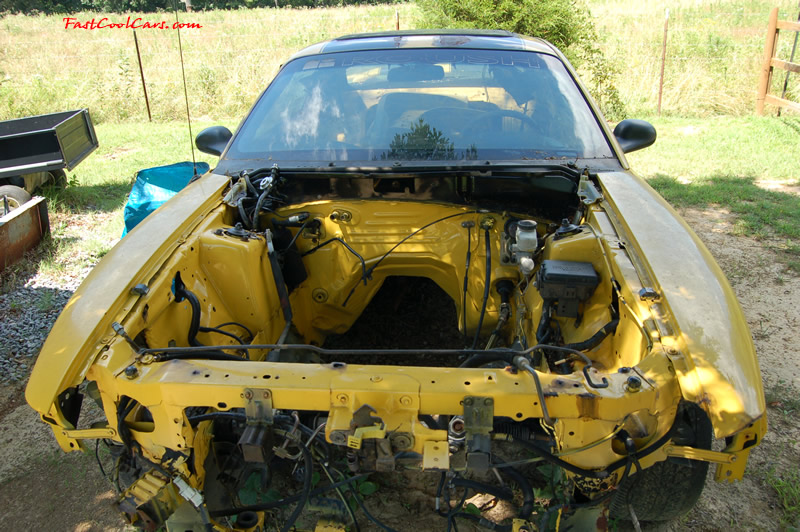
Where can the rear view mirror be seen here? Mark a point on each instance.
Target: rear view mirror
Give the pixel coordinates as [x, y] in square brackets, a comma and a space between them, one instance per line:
[634, 134]
[213, 140]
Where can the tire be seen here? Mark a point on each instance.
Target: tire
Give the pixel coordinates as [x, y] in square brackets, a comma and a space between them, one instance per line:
[668, 489]
[16, 196]
[59, 178]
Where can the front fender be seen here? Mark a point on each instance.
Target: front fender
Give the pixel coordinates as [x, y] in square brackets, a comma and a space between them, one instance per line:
[699, 318]
[84, 327]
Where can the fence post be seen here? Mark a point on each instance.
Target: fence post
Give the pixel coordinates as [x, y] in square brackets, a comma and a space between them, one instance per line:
[141, 73]
[663, 61]
[766, 67]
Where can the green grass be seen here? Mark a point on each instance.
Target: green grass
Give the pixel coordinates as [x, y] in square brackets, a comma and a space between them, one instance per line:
[46, 68]
[714, 57]
[746, 166]
[714, 53]
[783, 398]
[787, 485]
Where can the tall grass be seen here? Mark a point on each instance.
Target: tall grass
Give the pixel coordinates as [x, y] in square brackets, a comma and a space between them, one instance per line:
[45, 67]
[714, 55]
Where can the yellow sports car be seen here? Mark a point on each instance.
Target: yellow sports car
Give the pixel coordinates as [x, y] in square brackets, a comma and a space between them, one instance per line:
[419, 251]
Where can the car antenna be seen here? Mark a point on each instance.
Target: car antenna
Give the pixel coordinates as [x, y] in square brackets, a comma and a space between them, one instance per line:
[185, 93]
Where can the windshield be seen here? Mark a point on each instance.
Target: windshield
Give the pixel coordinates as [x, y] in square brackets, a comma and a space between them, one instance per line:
[421, 104]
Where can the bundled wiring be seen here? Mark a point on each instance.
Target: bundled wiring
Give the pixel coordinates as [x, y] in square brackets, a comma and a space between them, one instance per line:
[487, 285]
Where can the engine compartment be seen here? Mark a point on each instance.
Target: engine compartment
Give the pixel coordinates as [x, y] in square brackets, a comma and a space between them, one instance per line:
[273, 338]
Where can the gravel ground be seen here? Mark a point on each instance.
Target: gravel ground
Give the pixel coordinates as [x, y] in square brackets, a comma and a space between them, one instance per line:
[26, 316]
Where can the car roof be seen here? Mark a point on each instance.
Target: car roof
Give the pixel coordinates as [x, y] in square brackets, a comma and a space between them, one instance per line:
[458, 38]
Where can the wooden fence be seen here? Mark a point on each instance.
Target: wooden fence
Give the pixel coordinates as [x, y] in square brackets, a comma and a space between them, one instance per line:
[770, 62]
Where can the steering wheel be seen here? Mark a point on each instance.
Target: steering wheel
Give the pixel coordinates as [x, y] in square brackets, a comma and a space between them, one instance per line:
[488, 126]
[486, 118]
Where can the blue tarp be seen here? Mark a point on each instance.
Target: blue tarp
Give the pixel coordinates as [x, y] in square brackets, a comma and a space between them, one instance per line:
[154, 186]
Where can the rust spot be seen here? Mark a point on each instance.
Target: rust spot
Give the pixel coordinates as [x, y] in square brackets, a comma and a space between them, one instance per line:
[588, 406]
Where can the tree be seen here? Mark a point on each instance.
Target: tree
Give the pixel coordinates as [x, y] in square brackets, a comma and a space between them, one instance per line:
[565, 23]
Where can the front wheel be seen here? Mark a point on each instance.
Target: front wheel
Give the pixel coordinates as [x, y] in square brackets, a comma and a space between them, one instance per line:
[15, 196]
[668, 489]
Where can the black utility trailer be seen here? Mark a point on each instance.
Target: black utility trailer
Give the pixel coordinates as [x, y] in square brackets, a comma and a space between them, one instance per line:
[37, 149]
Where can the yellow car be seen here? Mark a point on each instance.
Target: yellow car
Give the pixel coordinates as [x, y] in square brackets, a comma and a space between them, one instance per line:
[419, 251]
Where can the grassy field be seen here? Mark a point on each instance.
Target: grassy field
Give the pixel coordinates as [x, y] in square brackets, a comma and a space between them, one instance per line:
[713, 57]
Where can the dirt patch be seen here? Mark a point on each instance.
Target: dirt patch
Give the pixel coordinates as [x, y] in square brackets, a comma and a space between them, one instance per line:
[42, 488]
[769, 294]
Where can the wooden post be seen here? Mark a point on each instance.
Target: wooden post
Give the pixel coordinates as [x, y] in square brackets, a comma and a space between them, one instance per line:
[766, 67]
[791, 60]
[397, 20]
[141, 73]
[663, 61]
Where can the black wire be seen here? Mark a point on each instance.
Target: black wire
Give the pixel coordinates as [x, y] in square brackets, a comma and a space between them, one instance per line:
[237, 324]
[286, 500]
[350, 511]
[487, 284]
[364, 273]
[466, 281]
[369, 516]
[372, 268]
[99, 463]
[305, 494]
[219, 331]
[528, 497]
[243, 214]
[198, 355]
[299, 231]
[451, 514]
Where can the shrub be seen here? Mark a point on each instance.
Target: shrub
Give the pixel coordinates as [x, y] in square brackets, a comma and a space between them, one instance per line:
[565, 23]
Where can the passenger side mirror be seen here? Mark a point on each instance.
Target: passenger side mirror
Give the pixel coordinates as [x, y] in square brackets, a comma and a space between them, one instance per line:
[634, 134]
[213, 140]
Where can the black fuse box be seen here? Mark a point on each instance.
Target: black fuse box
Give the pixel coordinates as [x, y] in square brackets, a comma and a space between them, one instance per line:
[569, 283]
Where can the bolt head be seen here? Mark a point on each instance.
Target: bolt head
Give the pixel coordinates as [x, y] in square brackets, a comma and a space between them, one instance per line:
[131, 372]
[634, 383]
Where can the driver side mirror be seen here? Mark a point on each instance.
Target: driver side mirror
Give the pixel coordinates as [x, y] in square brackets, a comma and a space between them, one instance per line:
[634, 134]
[213, 140]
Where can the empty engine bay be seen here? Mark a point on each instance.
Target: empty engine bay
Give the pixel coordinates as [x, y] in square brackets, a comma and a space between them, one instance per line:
[244, 370]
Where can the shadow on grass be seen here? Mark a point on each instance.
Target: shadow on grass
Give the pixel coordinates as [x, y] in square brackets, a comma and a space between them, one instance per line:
[761, 212]
[87, 198]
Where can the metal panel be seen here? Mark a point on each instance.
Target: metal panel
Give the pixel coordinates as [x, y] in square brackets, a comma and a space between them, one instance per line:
[22, 229]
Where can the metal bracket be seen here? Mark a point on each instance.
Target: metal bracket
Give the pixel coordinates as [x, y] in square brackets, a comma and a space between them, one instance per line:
[258, 407]
[699, 454]
[739, 449]
[587, 192]
[478, 425]
[436, 456]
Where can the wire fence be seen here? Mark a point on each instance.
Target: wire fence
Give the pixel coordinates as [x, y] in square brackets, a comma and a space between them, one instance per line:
[710, 66]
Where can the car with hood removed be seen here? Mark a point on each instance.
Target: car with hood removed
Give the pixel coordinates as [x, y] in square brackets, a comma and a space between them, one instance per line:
[548, 314]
